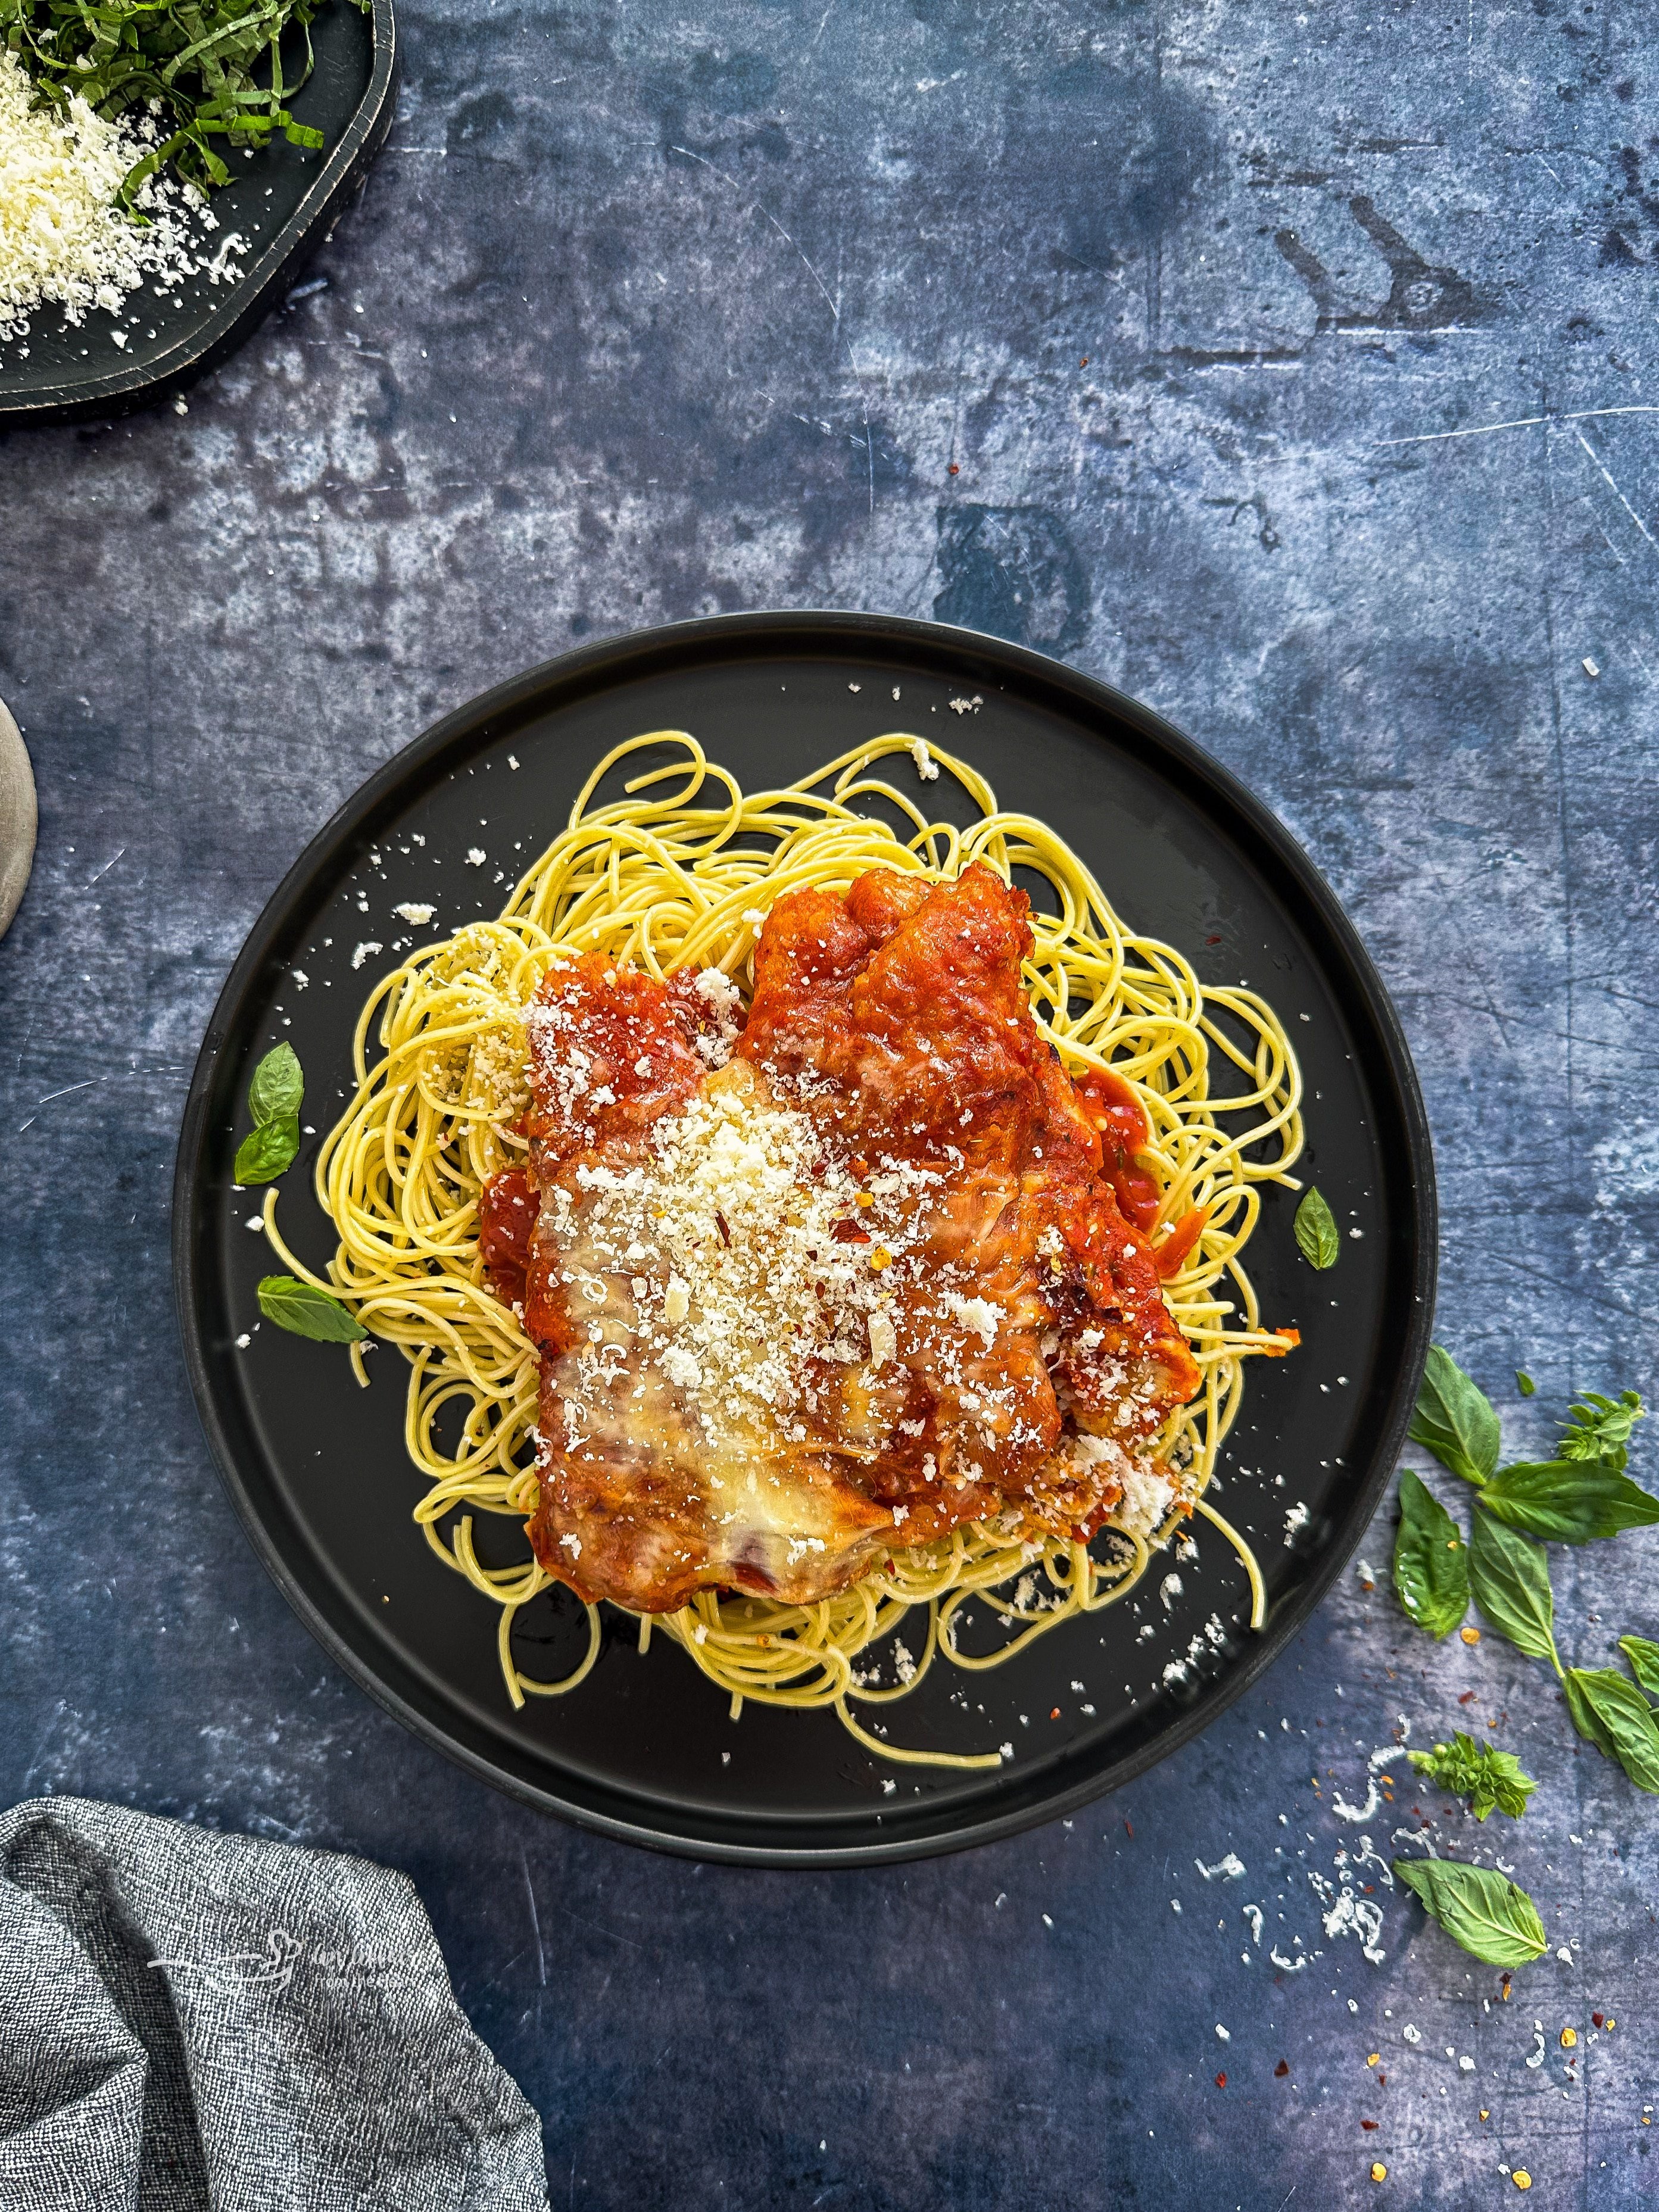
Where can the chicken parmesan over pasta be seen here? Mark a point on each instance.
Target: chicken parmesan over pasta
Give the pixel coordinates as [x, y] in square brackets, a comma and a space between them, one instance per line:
[848, 1272]
[793, 1223]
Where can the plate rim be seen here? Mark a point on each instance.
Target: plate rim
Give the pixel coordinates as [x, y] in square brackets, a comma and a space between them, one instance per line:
[250, 298]
[810, 626]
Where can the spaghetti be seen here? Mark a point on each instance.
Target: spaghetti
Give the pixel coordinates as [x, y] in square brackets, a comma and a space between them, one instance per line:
[679, 872]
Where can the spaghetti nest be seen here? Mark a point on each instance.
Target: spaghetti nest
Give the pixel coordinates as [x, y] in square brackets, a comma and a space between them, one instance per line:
[680, 871]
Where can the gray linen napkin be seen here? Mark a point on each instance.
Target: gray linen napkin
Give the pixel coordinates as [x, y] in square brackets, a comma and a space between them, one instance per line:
[191, 2020]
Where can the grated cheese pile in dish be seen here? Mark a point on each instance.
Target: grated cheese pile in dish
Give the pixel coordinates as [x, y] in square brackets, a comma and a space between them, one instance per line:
[63, 240]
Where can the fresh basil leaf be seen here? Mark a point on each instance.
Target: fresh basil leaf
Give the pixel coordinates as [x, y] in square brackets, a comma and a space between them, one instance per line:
[1509, 1581]
[1455, 1420]
[1316, 1231]
[306, 1311]
[1584, 1715]
[277, 1087]
[1599, 1428]
[1478, 1908]
[1431, 1560]
[1564, 1501]
[1490, 1779]
[1627, 1724]
[1524, 1382]
[267, 1151]
[1644, 1662]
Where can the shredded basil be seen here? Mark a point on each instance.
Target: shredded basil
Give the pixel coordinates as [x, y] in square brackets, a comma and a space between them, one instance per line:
[216, 68]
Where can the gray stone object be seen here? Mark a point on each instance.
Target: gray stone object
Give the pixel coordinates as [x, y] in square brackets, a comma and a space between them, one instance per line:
[19, 818]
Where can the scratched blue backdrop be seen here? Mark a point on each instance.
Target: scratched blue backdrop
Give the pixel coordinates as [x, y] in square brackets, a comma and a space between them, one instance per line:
[1295, 372]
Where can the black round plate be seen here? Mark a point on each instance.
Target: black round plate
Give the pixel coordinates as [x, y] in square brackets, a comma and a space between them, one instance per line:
[645, 1748]
[282, 200]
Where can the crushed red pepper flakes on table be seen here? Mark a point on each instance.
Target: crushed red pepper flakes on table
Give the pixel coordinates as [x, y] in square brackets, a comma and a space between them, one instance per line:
[1220, 2081]
[1369, 2126]
[1281, 2069]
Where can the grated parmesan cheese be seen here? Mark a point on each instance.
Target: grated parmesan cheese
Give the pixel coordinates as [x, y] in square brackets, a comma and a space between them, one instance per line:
[63, 241]
[976, 1315]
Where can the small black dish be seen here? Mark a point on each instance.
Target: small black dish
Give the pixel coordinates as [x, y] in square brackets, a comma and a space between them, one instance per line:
[284, 199]
[645, 1749]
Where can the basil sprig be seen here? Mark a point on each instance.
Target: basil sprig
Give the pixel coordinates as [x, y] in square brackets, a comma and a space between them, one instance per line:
[1644, 1659]
[1478, 1908]
[1316, 1233]
[1624, 1727]
[304, 1310]
[1568, 1501]
[1430, 1560]
[1509, 1582]
[1578, 1498]
[274, 1097]
[1491, 1779]
[1599, 1428]
[1455, 1420]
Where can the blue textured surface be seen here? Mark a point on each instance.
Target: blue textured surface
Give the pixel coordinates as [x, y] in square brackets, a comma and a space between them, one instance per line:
[643, 316]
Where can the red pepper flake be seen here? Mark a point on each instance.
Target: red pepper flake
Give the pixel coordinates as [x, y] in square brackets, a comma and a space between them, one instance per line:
[953, 470]
[1467, 1698]
[719, 1223]
[1281, 2069]
[849, 1232]
[1383, 2079]
[1369, 2126]
[820, 1168]
[1595, 2018]
[1130, 1827]
[1213, 940]
[1220, 2081]
[1054, 1716]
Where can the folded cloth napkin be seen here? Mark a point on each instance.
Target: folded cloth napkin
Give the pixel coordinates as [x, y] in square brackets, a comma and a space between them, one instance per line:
[191, 2020]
